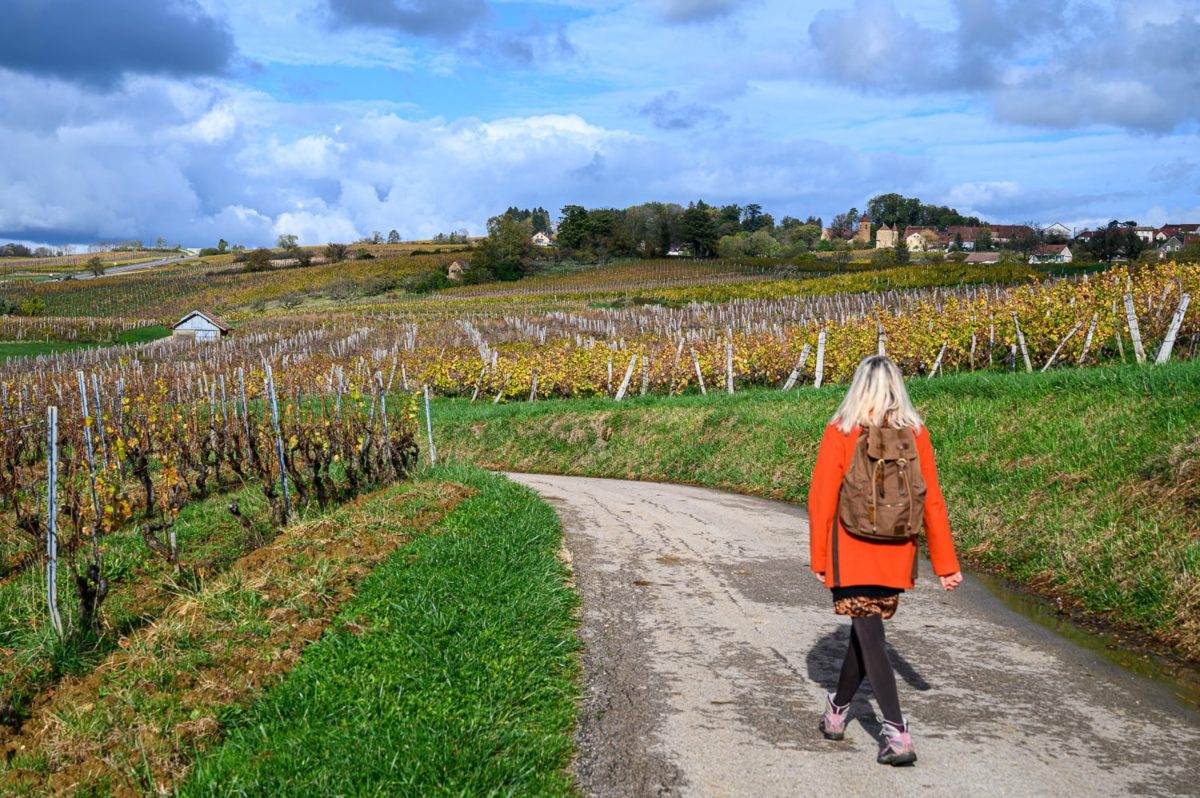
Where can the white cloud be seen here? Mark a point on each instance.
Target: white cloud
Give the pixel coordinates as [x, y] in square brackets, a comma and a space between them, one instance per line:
[969, 197]
[313, 227]
[312, 156]
[216, 126]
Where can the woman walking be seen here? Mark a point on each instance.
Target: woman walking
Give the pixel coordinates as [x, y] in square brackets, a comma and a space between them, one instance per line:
[865, 508]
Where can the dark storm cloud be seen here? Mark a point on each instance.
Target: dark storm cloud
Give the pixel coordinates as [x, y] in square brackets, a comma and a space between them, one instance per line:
[524, 49]
[1131, 65]
[443, 19]
[668, 112]
[96, 43]
[684, 11]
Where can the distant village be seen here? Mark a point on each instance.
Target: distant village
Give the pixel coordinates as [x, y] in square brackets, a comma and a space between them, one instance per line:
[893, 227]
[1049, 244]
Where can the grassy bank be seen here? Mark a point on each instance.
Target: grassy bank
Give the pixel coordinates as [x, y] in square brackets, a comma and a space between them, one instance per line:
[451, 672]
[141, 335]
[133, 722]
[1081, 484]
[418, 640]
[34, 348]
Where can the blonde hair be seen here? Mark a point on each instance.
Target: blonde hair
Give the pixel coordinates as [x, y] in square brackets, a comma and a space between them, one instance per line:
[877, 392]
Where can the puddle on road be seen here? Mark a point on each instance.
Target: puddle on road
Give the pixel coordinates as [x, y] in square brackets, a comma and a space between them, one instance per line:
[1181, 679]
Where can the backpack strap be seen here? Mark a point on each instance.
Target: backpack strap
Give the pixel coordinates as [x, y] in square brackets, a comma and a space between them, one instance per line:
[876, 491]
[834, 551]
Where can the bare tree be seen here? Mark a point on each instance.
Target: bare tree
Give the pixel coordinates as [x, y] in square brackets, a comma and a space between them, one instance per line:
[336, 253]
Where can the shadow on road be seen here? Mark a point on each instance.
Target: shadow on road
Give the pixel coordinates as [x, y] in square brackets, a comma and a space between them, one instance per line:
[824, 663]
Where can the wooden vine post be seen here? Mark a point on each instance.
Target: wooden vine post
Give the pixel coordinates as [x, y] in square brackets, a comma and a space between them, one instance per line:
[100, 421]
[699, 373]
[87, 438]
[429, 427]
[1087, 339]
[1021, 343]
[937, 363]
[387, 435]
[246, 413]
[795, 375]
[729, 365]
[287, 501]
[1054, 356]
[819, 376]
[52, 519]
[1164, 351]
[991, 341]
[628, 376]
[1135, 334]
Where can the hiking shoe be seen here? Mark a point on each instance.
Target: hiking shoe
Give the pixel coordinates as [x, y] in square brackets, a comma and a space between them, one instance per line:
[833, 720]
[896, 746]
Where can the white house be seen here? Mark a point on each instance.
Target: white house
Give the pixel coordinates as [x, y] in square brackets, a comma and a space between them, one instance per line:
[1052, 253]
[1057, 229]
[200, 326]
[540, 239]
[1146, 234]
[921, 239]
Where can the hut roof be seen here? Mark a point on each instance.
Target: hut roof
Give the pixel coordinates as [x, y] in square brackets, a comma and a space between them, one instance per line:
[211, 317]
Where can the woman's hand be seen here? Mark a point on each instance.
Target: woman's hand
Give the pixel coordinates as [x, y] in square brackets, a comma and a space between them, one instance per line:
[820, 577]
[952, 581]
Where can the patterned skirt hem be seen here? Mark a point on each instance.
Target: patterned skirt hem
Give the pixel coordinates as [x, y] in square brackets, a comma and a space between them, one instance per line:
[865, 606]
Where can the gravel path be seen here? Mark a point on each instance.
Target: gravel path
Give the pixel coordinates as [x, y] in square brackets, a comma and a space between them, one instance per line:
[708, 647]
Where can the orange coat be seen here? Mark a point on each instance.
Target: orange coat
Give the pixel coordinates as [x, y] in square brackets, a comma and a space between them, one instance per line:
[865, 562]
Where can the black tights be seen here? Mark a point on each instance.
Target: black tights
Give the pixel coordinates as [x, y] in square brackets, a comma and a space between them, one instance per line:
[866, 656]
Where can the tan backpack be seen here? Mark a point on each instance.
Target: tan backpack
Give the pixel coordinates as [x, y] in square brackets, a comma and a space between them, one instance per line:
[883, 492]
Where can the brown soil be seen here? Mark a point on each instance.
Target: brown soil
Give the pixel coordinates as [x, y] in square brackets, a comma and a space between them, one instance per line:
[132, 726]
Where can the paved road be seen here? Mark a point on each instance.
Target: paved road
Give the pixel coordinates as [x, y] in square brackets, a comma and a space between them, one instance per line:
[708, 648]
[129, 267]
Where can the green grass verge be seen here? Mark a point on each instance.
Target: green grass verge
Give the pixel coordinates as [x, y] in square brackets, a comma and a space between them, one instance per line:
[452, 672]
[35, 348]
[141, 335]
[144, 335]
[1079, 483]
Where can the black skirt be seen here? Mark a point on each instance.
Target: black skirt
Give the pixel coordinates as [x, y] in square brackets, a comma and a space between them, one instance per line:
[865, 591]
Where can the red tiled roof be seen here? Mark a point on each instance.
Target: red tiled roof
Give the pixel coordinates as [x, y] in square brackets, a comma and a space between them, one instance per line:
[1050, 249]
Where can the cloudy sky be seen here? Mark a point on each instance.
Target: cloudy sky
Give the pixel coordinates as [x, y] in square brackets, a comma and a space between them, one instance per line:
[201, 119]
